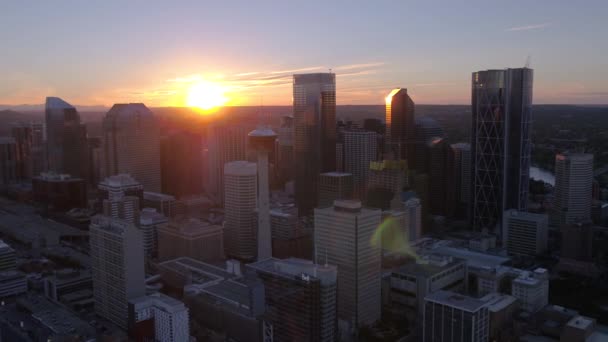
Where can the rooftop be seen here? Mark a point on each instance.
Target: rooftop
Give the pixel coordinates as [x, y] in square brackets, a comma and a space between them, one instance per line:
[455, 300]
[120, 180]
[296, 267]
[149, 216]
[201, 273]
[428, 268]
[57, 103]
[160, 300]
[581, 322]
[125, 110]
[336, 174]
[262, 132]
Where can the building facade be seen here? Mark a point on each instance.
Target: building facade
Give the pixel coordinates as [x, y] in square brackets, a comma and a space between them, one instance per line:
[159, 318]
[314, 106]
[500, 144]
[573, 189]
[334, 186]
[360, 149]
[400, 127]
[190, 237]
[240, 202]
[525, 233]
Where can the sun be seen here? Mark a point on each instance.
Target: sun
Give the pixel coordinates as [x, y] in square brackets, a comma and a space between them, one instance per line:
[206, 95]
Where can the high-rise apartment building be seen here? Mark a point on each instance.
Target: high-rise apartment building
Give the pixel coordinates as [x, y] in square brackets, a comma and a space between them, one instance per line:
[66, 139]
[314, 105]
[224, 144]
[452, 317]
[300, 300]
[334, 186]
[118, 267]
[131, 144]
[573, 189]
[500, 143]
[181, 164]
[525, 233]
[158, 317]
[240, 201]
[360, 149]
[400, 127]
[342, 237]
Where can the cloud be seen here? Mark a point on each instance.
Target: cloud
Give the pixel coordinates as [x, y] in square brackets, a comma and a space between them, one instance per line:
[186, 79]
[528, 27]
[359, 66]
[296, 70]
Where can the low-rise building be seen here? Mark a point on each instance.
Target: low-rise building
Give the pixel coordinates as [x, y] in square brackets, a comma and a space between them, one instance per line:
[159, 318]
[7, 257]
[66, 282]
[12, 283]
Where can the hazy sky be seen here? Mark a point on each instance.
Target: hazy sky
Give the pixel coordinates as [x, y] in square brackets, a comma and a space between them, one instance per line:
[103, 52]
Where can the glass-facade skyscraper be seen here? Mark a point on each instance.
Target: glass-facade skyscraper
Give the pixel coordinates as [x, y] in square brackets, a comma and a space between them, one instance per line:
[500, 145]
[314, 106]
[66, 139]
[400, 125]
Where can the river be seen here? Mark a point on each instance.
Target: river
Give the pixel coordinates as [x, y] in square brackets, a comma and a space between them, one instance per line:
[542, 174]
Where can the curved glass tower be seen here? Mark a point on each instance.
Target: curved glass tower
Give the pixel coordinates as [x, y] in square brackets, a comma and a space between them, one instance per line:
[500, 143]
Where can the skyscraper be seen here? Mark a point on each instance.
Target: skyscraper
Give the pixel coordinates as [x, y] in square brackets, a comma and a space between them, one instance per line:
[240, 200]
[500, 143]
[461, 177]
[439, 182]
[426, 129]
[342, 237]
[360, 149]
[300, 299]
[262, 140]
[285, 158]
[314, 105]
[66, 139]
[525, 233]
[400, 125]
[573, 189]
[181, 164]
[23, 136]
[8, 161]
[118, 267]
[131, 144]
[224, 144]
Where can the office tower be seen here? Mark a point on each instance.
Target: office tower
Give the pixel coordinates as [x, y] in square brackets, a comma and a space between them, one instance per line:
[117, 186]
[340, 156]
[240, 201]
[225, 144]
[342, 237]
[532, 289]
[314, 106]
[285, 163]
[39, 163]
[158, 317]
[290, 236]
[59, 192]
[300, 300]
[525, 233]
[413, 218]
[181, 164]
[131, 144]
[8, 161]
[262, 141]
[95, 152]
[451, 317]
[439, 182]
[66, 139]
[386, 181]
[8, 259]
[427, 129]
[400, 124]
[149, 221]
[577, 241]
[23, 136]
[573, 189]
[500, 143]
[118, 267]
[360, 148]
[192, 238]
[334, 186]
[461, 177]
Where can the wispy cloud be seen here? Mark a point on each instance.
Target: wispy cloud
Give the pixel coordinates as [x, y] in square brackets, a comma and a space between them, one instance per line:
[359, 66]
[528, 27]
[296, 70]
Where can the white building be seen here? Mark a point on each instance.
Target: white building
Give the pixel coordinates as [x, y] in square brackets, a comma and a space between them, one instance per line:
[149, 220]
[125, 208]
[131, 144]
[573, 189]
[240, 202]
[342, 237]
[360, 148]
[532, 289]
[525, 233]
[451, 317]
[170, 316]
[116, 186]
[118, 267]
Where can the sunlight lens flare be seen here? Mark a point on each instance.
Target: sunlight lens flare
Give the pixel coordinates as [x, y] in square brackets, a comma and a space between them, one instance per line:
[206, 95]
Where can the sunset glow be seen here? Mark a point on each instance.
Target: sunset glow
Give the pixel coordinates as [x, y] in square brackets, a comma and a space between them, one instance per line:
[206, 95]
